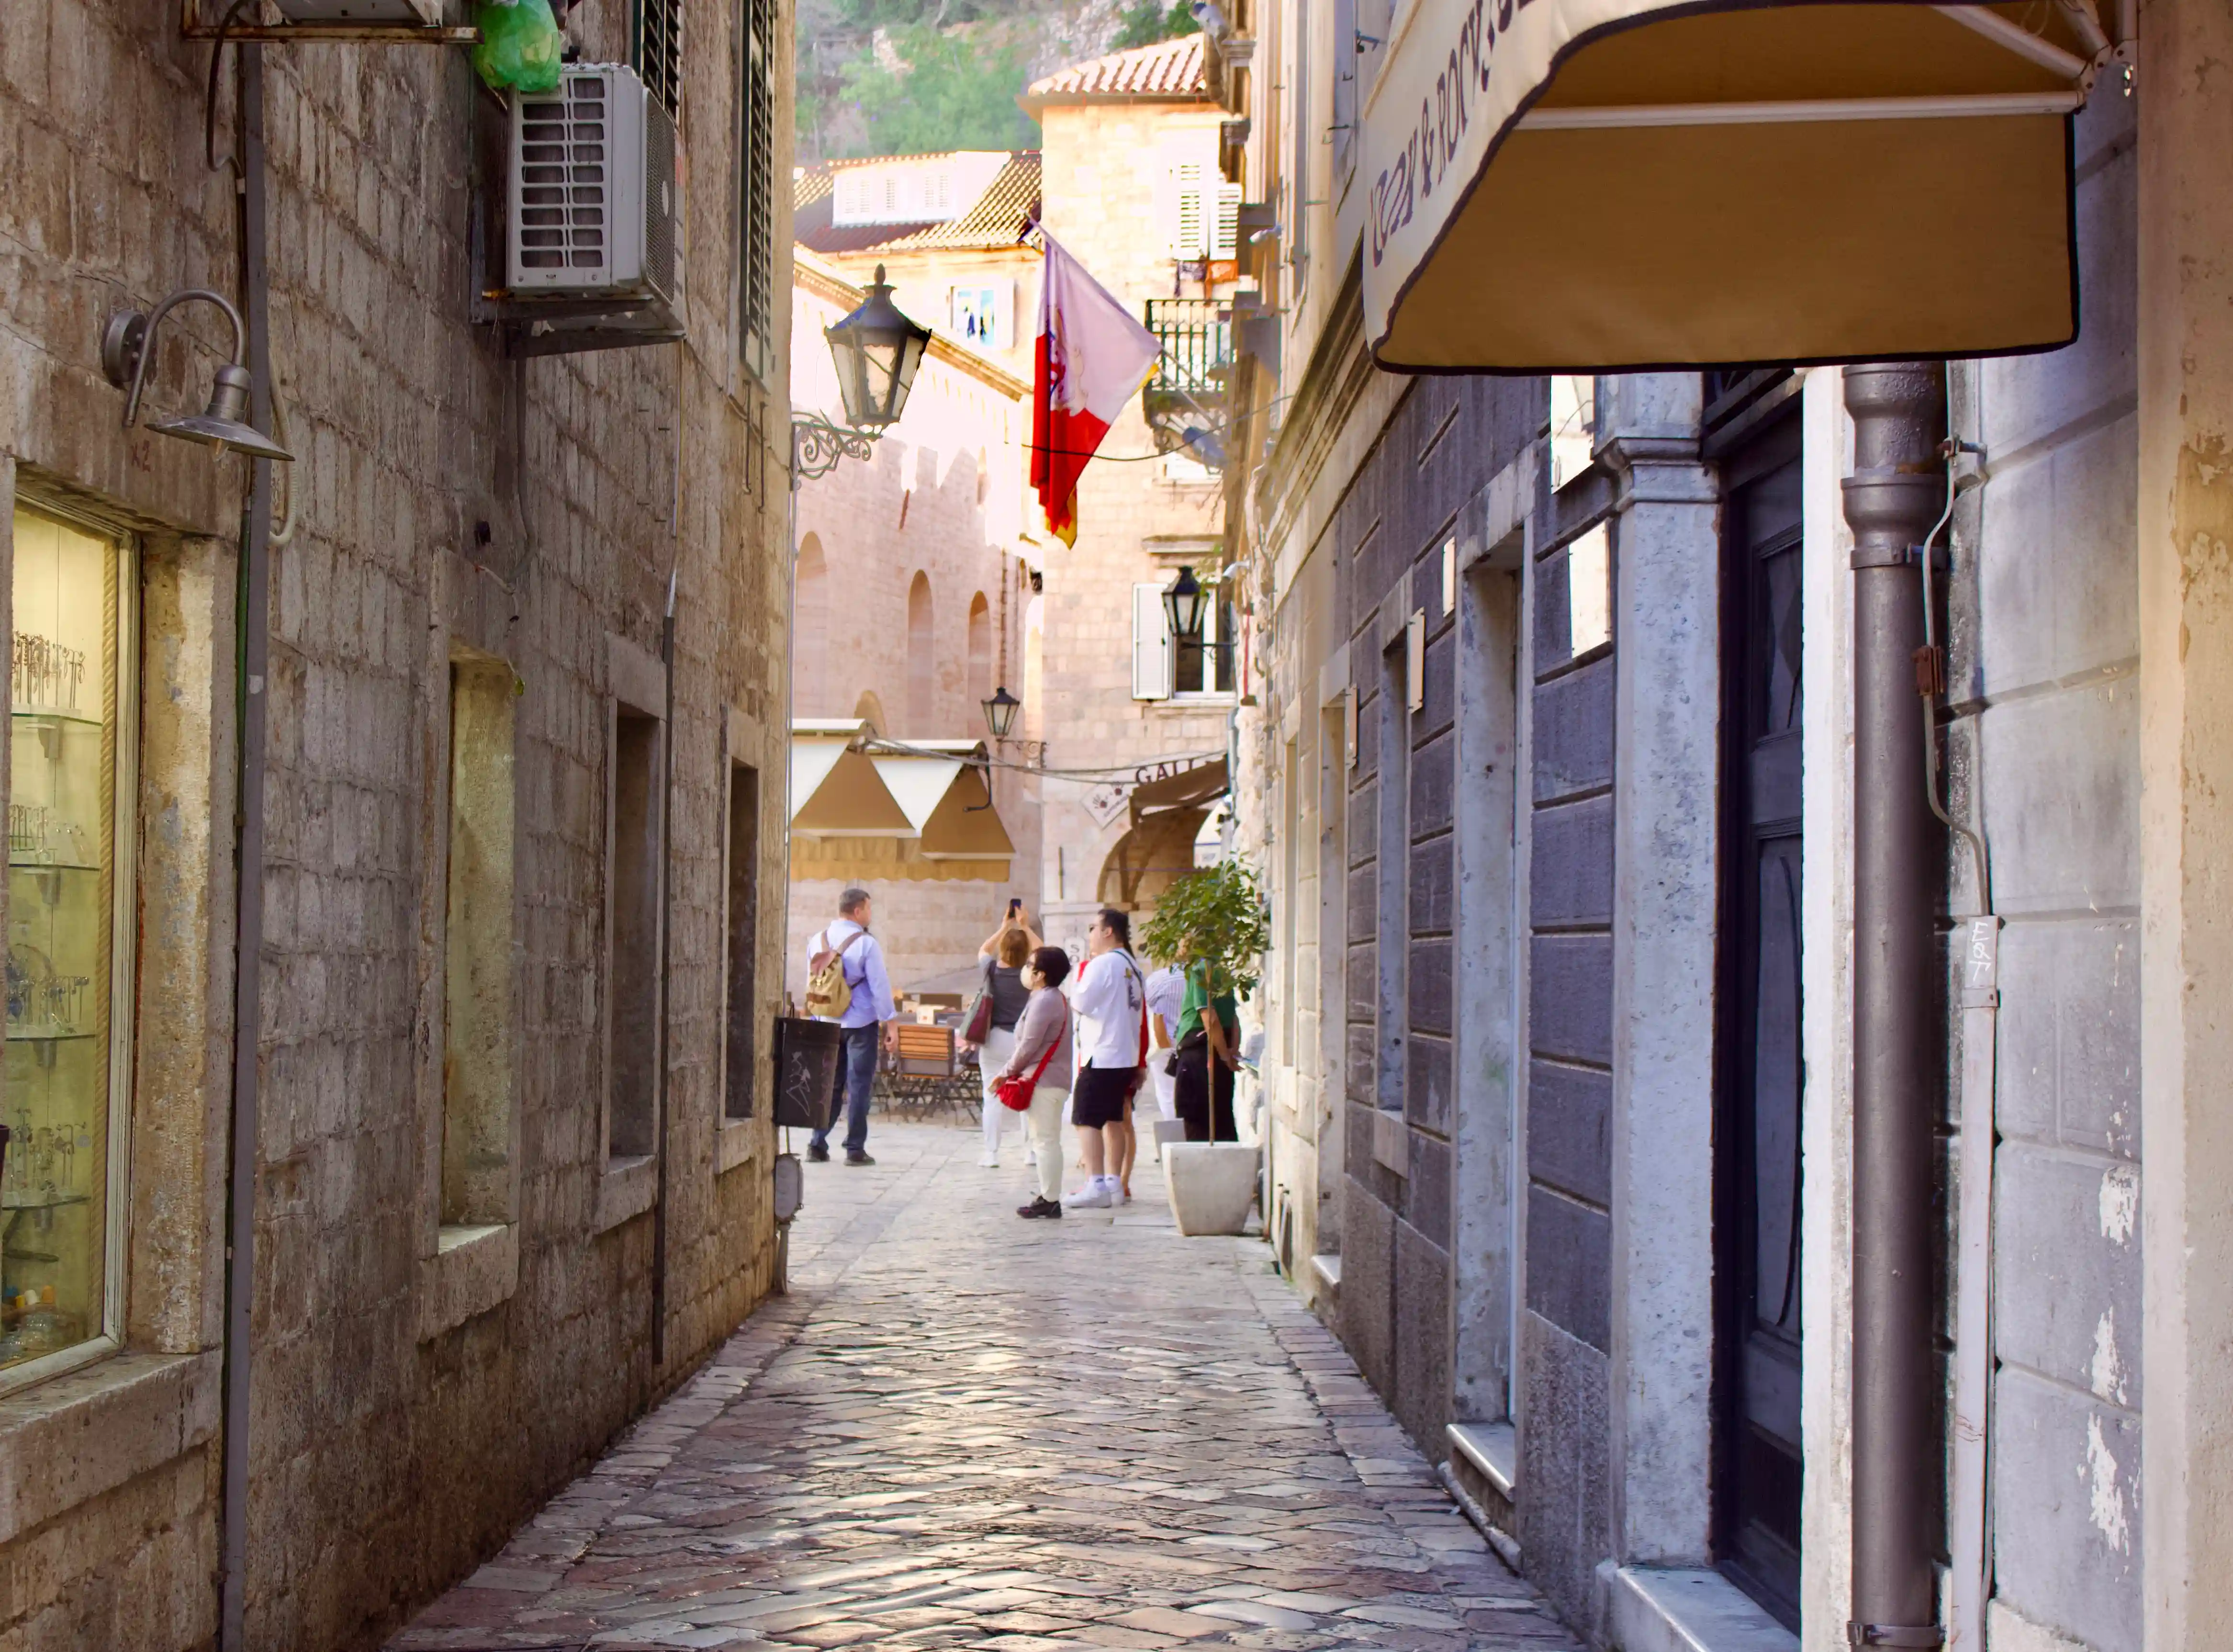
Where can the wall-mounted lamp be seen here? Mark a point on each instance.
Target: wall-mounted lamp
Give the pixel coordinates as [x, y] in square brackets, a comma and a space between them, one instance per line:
[1182, 605]
[129, 340]
[1001, 712]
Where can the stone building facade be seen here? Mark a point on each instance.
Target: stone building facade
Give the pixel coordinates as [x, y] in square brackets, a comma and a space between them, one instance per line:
[908, 607]
[472, 1224]
[1551, 778]
[1125, 140]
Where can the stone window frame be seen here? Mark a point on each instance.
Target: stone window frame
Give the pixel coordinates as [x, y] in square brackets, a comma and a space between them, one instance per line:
[628, 1186]
[464, 1268]
[129, 1410]
[743, 736]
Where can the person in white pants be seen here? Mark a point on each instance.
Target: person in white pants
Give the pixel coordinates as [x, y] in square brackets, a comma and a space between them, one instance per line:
[1166, 998]
[1043, 1047]
[1003, 958]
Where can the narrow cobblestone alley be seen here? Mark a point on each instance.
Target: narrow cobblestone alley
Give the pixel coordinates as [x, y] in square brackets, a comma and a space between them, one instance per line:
[963, 1429]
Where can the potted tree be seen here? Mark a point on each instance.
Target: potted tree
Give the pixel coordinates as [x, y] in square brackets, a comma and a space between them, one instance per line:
[1213, 920]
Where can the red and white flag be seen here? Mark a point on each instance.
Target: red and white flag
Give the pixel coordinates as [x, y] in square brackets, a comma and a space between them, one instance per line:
[1093, 354]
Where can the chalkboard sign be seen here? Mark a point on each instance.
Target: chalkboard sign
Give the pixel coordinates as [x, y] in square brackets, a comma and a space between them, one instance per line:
[805, 1071]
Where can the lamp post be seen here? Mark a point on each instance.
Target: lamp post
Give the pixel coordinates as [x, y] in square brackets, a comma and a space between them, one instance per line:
[876, 350]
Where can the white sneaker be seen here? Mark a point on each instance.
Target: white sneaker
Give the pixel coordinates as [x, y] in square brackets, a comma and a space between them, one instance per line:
[1094, 1195]
[988, 1161]
[1031, 1157]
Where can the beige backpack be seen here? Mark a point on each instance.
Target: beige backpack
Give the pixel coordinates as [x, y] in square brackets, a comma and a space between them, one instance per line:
[829, 994]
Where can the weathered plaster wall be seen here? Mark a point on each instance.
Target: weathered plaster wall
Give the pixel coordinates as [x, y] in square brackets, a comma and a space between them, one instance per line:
[2044, 683]
[411, 1401]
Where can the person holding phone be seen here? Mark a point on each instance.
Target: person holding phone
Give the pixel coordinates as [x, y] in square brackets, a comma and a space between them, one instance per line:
[1001, 962]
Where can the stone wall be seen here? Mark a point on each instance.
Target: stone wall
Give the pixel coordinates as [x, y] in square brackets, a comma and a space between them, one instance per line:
[416, 1389]
[2044, 685]
[1101, 182]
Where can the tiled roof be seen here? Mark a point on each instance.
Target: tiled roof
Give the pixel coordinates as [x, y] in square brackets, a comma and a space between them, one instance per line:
[995, 219]
[1171, 69]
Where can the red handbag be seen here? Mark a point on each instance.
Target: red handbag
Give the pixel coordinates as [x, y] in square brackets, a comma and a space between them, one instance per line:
[1015, 1094]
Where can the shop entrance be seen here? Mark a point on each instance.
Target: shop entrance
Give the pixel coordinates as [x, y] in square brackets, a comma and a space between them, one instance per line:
[1757, 1128]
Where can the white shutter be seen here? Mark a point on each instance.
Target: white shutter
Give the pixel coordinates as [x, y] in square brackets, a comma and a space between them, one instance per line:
[1227, 228]
[1187, 220]
[1151, 644]
[1004, 315]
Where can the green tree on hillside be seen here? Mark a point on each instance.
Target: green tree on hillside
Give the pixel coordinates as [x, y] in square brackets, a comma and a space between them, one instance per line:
[950, 94]
[1145, 22]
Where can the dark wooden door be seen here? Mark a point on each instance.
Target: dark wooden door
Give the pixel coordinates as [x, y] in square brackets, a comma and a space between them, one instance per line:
[1758, 1108]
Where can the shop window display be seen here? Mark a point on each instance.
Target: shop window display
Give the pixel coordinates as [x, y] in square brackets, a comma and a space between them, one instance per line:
[67, 936]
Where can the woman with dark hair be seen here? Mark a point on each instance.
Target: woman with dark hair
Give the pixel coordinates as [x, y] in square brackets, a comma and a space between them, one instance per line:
[1111, 1001]
[1043, 1046]
[1000, 963]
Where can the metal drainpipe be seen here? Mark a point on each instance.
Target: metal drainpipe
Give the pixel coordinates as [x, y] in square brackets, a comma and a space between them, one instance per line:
[248, 934]
[1891, 499]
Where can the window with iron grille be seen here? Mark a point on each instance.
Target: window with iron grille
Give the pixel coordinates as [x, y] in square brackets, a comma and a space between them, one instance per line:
[655, 34]
[756, 187]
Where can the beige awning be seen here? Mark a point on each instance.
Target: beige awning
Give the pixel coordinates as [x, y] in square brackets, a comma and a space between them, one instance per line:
[1601, 183]
[920, 813]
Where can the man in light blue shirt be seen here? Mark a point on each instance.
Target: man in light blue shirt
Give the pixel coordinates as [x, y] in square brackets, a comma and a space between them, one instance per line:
[867, 1015]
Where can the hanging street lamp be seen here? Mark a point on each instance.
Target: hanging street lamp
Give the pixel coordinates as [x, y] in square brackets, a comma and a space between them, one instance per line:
[876, 350]
[1001, 712]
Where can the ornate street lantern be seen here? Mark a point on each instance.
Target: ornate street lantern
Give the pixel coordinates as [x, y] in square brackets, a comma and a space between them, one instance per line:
[877, 350]
[1001, 712]
[1182, 605]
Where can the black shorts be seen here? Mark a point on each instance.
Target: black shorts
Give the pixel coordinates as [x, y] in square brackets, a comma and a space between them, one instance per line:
[1102, 1095]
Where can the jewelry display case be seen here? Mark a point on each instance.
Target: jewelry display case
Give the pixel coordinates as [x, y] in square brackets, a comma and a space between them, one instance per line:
[69, 931]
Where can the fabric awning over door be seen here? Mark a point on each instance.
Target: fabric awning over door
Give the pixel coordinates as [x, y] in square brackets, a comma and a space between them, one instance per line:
[1601, 183]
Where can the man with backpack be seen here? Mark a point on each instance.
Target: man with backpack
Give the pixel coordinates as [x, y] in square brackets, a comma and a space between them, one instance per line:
[846, 983]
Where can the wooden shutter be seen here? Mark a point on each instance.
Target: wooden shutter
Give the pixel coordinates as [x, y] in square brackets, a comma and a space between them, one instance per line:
[756, 187]
[1189, 224]
[1225, 231]
[1151, 644]
[659, 52]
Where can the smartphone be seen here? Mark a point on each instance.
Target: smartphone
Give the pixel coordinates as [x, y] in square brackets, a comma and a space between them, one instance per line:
[1014, 906]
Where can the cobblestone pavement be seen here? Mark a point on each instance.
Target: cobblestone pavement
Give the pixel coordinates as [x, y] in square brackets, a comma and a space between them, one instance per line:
[964, 1429]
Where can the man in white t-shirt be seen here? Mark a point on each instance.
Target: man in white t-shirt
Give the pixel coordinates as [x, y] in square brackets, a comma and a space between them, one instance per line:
[1112, 1047]
[1166, 998]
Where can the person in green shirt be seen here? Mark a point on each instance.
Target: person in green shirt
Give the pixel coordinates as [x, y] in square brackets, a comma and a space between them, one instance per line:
[1210, 1023]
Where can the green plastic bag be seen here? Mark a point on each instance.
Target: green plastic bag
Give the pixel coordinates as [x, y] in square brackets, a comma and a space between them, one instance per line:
[520, 45]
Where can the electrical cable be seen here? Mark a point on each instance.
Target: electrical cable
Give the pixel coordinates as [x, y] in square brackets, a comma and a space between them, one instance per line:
[1931, 677]
[1119, 772]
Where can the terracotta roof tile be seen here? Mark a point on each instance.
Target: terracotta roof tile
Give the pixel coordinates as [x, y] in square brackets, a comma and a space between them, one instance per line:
[1171, 69]
[995, 219]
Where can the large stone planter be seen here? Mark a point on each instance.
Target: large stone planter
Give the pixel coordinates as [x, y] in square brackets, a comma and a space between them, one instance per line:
[1212, 1185]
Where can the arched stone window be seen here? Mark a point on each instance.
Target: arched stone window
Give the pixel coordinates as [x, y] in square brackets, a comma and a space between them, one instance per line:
[980, 650]
[809, 660]
[922, 660]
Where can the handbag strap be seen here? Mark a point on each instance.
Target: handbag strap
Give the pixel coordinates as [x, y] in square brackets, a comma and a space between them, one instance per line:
[1053, 1045]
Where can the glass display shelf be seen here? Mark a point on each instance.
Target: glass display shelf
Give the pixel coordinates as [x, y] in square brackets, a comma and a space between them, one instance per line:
[32, 863]
[34, 715]
[40, 1199]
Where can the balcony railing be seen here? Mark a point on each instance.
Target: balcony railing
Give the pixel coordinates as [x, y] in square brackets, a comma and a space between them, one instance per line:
[1197, 347]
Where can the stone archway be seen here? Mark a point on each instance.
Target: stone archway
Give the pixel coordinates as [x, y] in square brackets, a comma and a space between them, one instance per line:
[1149, 858]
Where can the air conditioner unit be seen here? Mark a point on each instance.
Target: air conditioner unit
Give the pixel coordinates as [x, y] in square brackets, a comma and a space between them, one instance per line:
[416, 13]
[595, 206]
